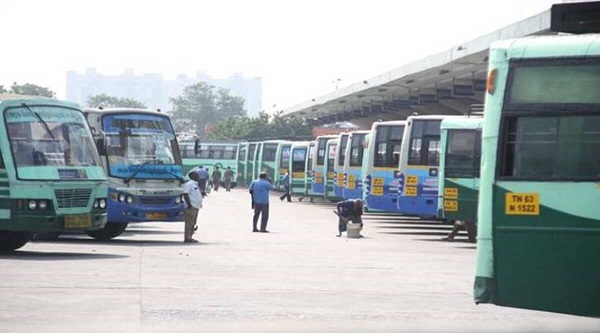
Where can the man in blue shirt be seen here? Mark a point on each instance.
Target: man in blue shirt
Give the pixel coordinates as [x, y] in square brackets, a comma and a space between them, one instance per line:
[202, 179]
[260, 195]
[286, 188]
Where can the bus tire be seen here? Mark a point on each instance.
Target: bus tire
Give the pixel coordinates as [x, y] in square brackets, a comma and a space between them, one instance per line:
[110, 231]
[12, 240]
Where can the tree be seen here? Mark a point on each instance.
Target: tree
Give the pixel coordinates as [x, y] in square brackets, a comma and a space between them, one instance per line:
[31, 90]
[107, 101]
[263, 127]
[3, 90]
[202, 105]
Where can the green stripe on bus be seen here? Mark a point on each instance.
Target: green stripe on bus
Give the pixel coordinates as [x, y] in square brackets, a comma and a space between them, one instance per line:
[4, 184]
[5, 192]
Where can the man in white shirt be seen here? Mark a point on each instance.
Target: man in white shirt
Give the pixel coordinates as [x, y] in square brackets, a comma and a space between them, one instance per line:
[193, 200]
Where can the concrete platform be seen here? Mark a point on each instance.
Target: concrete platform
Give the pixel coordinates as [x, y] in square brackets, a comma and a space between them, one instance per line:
[298, 278]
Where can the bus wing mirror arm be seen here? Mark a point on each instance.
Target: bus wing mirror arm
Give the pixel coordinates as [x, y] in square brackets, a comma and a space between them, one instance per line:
[197, 147]
[101, 143]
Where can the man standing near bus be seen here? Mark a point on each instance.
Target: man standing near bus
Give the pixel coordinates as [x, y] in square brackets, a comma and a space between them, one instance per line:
[286, 188]
[260, 195]
[193, 200]
[216, 178]
[227, 178]
[202, 179]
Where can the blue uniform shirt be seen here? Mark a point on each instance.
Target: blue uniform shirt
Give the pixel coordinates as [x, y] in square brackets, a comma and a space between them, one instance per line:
[260, 191]
[202, 173]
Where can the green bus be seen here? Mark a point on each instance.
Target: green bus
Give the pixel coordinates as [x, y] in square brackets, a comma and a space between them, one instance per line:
[241, 168]
[297, 168]
[310, 172]
[211, 154]
[539, 211]
[283, 161]
[51, 175]
[460, 156]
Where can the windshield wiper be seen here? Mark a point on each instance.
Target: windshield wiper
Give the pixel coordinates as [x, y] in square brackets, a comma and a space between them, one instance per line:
[181, 180]
[46, 127]
[140, 167]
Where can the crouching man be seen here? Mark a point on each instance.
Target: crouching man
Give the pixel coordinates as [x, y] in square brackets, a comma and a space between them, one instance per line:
[349, 211]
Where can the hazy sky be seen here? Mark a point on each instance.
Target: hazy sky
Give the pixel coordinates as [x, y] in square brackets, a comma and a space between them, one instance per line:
[297, 47]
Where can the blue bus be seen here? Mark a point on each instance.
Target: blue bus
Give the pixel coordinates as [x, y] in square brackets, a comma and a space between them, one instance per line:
[419, 161]
[142, 160]
[338, 167]
[381, 178]
[353, 165]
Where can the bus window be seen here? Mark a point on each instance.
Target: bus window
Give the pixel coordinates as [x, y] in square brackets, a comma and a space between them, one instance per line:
[425, 143]
[331, 157]
[357, 149]
[229, 152]
[321, 151]
[463, 154]
[269, 152]
[566, 147]
[311, 154]
[387, 146]
[298, 160]
[242, 154]
[342, 150]
[251, 152]
[285, 157]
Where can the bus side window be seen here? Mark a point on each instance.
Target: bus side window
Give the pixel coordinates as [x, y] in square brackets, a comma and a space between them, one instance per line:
[2, 162]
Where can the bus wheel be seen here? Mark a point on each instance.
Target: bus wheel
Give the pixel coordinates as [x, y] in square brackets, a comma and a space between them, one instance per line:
[110, 231]
[12, 240]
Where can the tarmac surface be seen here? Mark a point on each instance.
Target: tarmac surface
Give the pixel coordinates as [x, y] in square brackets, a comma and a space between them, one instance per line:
[299, 277]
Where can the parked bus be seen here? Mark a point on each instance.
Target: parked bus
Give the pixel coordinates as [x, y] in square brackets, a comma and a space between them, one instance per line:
[297, 168]
[364, 168]
[353, 184]
[329, 173]
[318, 184]
[51, 177]
[250, 157]
[257, 161]
[283, 161]
[241, 166]
[211, 155]
[268, 158]
[142, 160]
[419, 162]
[381, 176]
[539, 212]
[460, 158]
[338, 169]
[310, 174]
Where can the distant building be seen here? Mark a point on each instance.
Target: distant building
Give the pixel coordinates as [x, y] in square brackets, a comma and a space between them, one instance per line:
[154, 91]
[335, 128]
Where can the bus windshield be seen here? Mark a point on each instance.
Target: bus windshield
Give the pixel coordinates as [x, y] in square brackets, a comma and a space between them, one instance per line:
[136, 140]
[424, 146]
[285, 157]
[49, 136]
[463, 154]
[298, 160]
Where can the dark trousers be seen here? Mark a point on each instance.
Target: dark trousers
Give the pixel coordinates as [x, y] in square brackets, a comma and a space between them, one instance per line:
[202, 185]
[260, 209]
[216, 184]
[286, 194]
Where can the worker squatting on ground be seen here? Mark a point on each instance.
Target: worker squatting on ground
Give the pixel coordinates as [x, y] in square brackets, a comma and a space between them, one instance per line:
[349, 211]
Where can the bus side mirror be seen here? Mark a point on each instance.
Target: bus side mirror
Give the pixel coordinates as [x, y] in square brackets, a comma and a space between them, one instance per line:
[197, 147]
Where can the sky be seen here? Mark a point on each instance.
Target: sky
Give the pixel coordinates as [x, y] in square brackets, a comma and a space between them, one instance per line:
[299, 48]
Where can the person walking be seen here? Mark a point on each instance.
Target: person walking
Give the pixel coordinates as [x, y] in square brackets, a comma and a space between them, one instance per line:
[286, 187]
[259, 188]
[193, 200]
[227, 178]
[216, 178]
[202, 179]
[349, 211]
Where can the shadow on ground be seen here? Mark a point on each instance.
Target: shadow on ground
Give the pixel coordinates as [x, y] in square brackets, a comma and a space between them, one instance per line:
[57, 256]
[123, 242]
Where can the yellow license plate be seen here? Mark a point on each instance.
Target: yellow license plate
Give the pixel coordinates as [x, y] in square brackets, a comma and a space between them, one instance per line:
[451, 192]
[78, 221]
[156, 216]
[410, 191]
[377, 190]
[522, 204]
[377, 181]
[451, 205]
[412, 180]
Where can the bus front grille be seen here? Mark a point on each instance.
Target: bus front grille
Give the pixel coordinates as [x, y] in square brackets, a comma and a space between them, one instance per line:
[71, 198]
[155, 201]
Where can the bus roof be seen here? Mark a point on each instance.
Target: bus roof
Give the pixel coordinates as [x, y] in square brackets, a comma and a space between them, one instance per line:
[388, 123]
[550, 46]
[361, 132]
[124, 110]
[300, 144]
[15, 99]
[328, 136]
[462, 123]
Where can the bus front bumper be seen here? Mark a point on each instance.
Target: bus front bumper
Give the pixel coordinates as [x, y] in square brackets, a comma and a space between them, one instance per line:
[124, 213]
[54, 223]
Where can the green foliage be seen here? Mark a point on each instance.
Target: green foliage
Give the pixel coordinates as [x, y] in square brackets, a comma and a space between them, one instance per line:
[263, 127]
[107, 101]
[202, 104]
[30, 89]
[3, 90]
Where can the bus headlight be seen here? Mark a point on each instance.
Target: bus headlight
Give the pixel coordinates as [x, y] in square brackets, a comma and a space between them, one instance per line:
[177, 200]
[122, 197]
[102, 203]
[43, 204]
[32, 204]
[96, 204]
[129, 199]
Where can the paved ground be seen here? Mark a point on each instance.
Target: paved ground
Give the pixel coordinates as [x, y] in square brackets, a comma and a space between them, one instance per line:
[297, 278]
